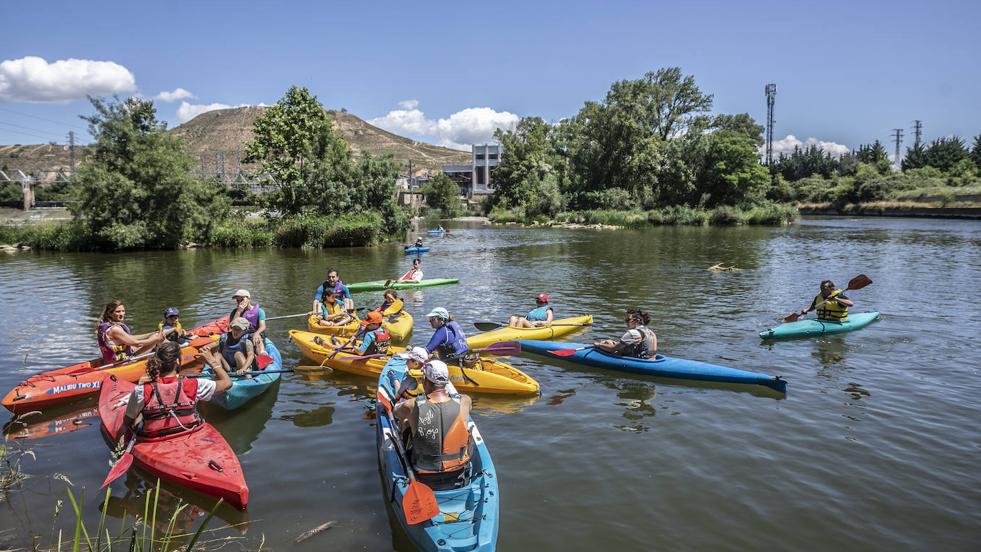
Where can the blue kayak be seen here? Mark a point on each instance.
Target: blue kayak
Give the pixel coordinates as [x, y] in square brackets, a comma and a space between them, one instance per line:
[811, 327]
[244, 390]
[661, 366]
[435, 232]
[468, 516]
[417, 249]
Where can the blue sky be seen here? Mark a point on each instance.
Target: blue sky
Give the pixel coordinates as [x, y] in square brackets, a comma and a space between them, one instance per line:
[847, 72]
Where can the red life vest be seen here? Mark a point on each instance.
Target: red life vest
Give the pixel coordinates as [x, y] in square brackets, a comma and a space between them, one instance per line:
[383, 340]
[169, 406]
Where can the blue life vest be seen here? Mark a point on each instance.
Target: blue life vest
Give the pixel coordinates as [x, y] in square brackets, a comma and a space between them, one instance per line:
[539, 314]
[228, 351]
[455, 343]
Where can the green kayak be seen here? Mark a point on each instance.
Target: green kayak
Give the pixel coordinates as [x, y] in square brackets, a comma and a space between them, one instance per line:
[379, 285]
[807, 328]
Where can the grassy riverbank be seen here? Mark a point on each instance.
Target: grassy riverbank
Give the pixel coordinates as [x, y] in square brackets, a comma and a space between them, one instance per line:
[764, 214]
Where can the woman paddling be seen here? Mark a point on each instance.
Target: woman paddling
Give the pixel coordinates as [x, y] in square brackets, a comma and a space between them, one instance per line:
[639, 341]
[116, 340]
[541, 315]
[391, 298]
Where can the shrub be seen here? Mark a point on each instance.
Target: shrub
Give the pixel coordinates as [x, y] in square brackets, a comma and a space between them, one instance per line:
[725, 215]
[320, 231]
[241, 233]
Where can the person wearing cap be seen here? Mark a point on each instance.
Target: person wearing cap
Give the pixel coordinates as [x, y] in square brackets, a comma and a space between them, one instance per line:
[171, 325]
[541, 315]
[376, 339]
[415, 359]
[334, 283]
[414, 274]
[332, 311]
[253, 314]
[236, 351]
[638, 342]
[448, 341]
[440, 444]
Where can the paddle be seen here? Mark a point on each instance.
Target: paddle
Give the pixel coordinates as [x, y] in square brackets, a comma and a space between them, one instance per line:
[337, 350]
[261, 361]
[569, 352]
[419, 502]
[501, 348]
[124, 462]
[488, 326]
[855, 283]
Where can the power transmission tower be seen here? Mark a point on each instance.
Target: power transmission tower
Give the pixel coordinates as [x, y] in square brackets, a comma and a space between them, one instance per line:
[917, 132]
[771, 96]
[898, 137]
[71, 149]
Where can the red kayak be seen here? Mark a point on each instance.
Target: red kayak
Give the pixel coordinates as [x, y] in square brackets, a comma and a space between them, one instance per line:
[72, 382]
[199, 459]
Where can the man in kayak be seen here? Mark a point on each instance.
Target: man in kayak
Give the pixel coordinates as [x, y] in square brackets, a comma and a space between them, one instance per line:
[831, 304]
[414, 275]
[167, 401]
[541, 315]
[334, 283]
[116, 340]
[448, 341]
[332, 311]
[254, 314]
[638, 342]
[440, 445]
[236, 351]
[418, 242]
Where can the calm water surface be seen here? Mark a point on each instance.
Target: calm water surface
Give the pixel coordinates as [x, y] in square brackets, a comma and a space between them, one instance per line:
[876, 445]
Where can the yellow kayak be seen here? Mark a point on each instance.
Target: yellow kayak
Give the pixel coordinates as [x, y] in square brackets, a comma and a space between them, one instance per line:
[347, 330]
[547, 333]
[492, 377]
[399, 325]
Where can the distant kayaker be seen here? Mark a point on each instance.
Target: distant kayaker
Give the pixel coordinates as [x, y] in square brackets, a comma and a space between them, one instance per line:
[418, 242]
[375, 339]
[440, 444]
[116, 340]
[332, 311]
[414, 275]
[334, 283]
[171, 326]
[835, 303]
[236, 351]
[254, 314]
[448, 342]
[541, 315]
[168, 401]
[639, 341]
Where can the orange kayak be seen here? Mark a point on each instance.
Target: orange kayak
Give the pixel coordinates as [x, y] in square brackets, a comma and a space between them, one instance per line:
[78, 380]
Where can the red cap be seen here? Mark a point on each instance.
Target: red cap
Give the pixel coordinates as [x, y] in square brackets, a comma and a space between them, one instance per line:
[373, 317]
[542, 298]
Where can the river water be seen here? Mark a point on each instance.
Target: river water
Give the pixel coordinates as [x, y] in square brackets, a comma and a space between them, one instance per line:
[875, 446]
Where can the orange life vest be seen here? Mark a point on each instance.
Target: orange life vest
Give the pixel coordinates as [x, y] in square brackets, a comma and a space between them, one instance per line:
[442, 442]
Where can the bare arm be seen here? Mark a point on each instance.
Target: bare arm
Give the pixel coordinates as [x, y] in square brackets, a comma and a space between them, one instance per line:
[117, 335]
[220, 367]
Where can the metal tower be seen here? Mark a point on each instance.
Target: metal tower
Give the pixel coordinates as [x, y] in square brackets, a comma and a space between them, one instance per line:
[771, 96]
[898, 137]
[917, 132]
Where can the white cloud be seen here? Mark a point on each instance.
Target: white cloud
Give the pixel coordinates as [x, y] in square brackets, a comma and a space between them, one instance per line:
[474, 125]
[787, 145]
[32, 79]
[177, 94]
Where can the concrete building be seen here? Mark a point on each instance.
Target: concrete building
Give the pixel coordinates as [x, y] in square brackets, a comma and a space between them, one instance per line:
[476, 179]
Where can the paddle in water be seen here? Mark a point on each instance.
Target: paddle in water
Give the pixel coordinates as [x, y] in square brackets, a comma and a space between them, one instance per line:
[855, 283]
[123, 463]
[419, 502]
[569, 352]
[488, 326]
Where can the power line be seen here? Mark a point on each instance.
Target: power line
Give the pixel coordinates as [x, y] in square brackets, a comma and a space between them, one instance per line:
[41, 118]
[46, 138]
[898, 137]
[41, 130]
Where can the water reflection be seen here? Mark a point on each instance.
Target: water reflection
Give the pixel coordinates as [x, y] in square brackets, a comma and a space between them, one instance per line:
[53, 421]
[316, 417]
[241, 427]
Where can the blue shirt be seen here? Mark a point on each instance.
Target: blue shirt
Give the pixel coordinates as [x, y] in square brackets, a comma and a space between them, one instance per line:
[449, 335]
[320, 292]
[369, 338]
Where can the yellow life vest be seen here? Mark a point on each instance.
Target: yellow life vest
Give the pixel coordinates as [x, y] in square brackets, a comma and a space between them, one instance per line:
[832, 311]
[331, 309]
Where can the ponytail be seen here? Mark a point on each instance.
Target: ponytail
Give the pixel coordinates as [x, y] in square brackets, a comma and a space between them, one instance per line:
[165, 360]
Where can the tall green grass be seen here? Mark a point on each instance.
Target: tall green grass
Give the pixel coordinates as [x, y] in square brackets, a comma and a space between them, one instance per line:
[679, 215]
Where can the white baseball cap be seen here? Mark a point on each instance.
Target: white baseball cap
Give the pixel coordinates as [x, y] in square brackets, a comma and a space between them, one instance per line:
[436, 372]
[242, 293]
[419, 354]
[439, 312]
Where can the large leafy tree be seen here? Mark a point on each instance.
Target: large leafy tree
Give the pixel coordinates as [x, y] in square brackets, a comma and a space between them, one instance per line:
[915, 158]
[442, 193]
[875, 155]
[136, 190]
[530, 155]
[732, 173]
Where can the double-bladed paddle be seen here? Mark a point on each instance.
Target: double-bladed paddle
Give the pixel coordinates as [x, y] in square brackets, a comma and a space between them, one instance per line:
[855, 283]
[501, 348]
[569, 352]
[488, 326]
[124, 462]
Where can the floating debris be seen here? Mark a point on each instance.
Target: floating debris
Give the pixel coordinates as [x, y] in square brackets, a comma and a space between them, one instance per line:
[313, 532]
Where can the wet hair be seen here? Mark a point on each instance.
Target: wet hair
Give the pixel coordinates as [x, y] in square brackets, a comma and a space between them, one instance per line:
[391, 294]
[827, 283]
[638, 315]
[110, 308]
[166, 359]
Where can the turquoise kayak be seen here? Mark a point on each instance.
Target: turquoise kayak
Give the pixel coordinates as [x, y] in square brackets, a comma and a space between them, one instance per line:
[468, 515]
[244, 390]
[435, 232]
[661, 366]
[379, 285]
[808, 328]
[417, 249]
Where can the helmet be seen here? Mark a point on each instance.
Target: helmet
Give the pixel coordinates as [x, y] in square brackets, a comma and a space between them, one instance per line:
[542, 298]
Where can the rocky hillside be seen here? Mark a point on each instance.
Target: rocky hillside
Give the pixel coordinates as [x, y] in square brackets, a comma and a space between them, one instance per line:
[217, 141]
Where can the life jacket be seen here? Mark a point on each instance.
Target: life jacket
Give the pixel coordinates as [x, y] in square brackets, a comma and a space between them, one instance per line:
[169, 406]
[251, 314]
[383, 340]
[228, 350]
[110, 351]
[539, 314]
[642, 349]
[455, 344]
[328, 309]
[173, 336]
[442, 442]
[832, 311]
[338, 289]
[409, 275]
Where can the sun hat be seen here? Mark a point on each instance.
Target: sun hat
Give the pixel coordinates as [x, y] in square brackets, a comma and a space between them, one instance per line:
[240, 323]
[439, 312]
[419, 354]
[242, 293]
[171, 311]
[373, 317]
[436, 372]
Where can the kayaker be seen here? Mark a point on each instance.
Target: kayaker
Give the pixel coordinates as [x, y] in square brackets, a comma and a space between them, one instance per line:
[236, 351]
[116, 340]
[375, 338]
[333, 282]
[448, 342]
[418, 243]
[836, 304]
[167, 401]
[414, 275]
[541, 315]
[253, 314]
[171, 326]
[332, 311]
[638, 342]
[391, 298]
[440, 445]
[415, 359]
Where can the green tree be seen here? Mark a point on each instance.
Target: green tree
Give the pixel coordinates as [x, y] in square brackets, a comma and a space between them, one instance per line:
[875, 155]
[293, 140]
[732, 173]
[443, 194]
[742, 123]
[530, 154]
[944, 153]
[136, 190]
[915, 158]
[976, 152]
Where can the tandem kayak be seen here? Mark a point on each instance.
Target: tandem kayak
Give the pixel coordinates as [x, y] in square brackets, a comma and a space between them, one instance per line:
[807, 328]
[349, 329]
[245, 389]
[491, 377]
[63, 385]
[468, 517]
[417, 249]
[379, 285]
[661, 366]
[559, 328]
[199, 459]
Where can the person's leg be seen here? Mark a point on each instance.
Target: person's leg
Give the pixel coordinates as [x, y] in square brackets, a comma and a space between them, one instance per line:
[513, 321]
[240, 361]
[523, 322]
